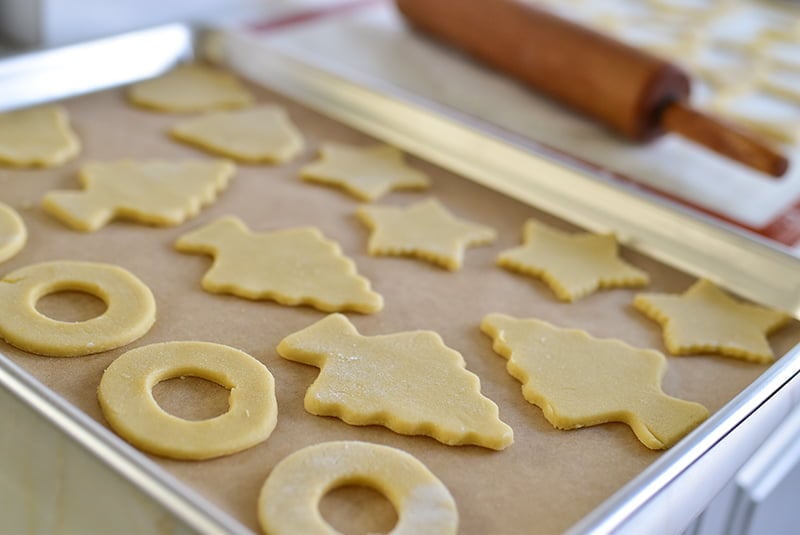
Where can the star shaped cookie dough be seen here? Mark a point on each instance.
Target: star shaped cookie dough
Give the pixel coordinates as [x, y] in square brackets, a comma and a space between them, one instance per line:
[425, 230]
[37, 137]
[295, 266]
[366, 173]
[190, 88]
[254, 135]
[705, 319]
[573, 265]
[578, 380]
[410, 382]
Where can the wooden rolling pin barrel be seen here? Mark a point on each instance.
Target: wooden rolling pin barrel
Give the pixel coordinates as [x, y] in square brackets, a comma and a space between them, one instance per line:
[634, 93]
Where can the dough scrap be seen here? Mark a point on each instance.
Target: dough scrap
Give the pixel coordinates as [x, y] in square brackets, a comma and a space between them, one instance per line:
[573, 265]
[579, 381]
[705, 319]
[295, 266]
[37, 137]
[13, 233]
[410, 382]
[425, 230]
[366, 173]
[190, 88]
[163, 193]
[130, 314]
[125, 396]
[255, 135]
[423, 503]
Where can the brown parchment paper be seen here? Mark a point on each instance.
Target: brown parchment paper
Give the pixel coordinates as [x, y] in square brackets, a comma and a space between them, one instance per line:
[545, 482]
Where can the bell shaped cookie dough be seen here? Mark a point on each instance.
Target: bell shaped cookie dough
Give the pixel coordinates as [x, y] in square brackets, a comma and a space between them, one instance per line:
[705, 319]
[366, 173]
[579, 381]
[154, 192]
[573, 265]
[13, 233]
[255, 135]
[190, 88]
[37, 137]
[425, 230]
[295, 266]
[409, 382]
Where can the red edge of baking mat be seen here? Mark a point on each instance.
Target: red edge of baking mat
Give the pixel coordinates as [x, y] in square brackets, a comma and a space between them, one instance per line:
[783, 229]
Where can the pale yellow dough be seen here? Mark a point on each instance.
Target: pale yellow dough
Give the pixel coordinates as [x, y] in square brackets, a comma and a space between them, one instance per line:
[289, 500]
[130, 314]
[154, 192]
[573, 265]
[705, 319]
[409, 382]
[366, 173]
[37, 137]
[425, 230]
[255, 135]
[579, 381]
[190, 88]
[13, 234]
[125, 396]
[295, 266]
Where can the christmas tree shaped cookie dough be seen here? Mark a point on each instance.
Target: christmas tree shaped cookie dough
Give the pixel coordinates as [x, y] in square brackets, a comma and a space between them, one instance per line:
[255, 135]
[366, 173]
[152, 192]
[579, 381]
[190, 88]
[707, 320]
[13, 234]
[573, 265]
[409, 382]
[425, 230]
[295, 266]
[37, 137]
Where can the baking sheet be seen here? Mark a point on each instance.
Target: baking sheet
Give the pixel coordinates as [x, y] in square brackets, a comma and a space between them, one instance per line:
[548, 479]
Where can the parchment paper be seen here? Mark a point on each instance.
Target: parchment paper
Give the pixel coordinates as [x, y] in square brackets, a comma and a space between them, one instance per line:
[543, 483]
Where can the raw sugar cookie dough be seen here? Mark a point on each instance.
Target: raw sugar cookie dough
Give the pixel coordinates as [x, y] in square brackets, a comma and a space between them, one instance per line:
[410, 382]
[131, 308]
[255, 135]
[295, 266]
[705, 319]
[153, 192]
[125, 396]
[423, 503]
[579, 381]
[37, 137]
[13, 234]
[190, 88]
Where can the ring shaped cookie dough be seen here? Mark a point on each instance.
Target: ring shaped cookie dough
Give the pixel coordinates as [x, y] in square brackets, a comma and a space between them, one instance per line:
[130, 312]
[12, 232]
[126, 398]
[289, 500]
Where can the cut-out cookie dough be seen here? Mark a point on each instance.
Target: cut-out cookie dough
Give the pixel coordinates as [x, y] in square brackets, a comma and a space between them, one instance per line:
[130, 312]
[12, 232]
[366, 173]
[152, 192]
[37, 137]
[295, 266]
[409, 382]
[579, 381]
[254, 135]
[705, 319]
[423, 503]
[190, 88]
[425, 230]
[125, 396]
[573, 265]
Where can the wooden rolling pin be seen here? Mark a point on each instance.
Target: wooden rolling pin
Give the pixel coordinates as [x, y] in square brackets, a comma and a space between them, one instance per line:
[636, 94]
